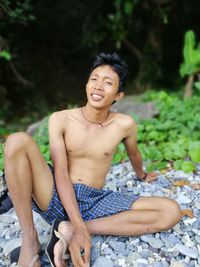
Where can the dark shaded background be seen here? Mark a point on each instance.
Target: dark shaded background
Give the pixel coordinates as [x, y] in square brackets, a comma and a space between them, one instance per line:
[53, 52]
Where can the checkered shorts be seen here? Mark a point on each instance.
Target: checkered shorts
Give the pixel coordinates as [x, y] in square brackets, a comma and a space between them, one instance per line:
[93, 203]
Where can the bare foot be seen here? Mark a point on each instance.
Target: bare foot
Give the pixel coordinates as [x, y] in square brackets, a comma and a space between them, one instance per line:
[30, 247]
[65, 229]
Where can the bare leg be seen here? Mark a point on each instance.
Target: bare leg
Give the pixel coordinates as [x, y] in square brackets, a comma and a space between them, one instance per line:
[27, 175]
[147, 215]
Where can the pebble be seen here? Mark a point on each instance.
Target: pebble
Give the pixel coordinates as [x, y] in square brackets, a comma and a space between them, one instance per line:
[190, 252]
[103, 262]
[155, 242]
[178, 247]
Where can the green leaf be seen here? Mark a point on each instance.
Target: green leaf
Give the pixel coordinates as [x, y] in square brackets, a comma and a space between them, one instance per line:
[128, 7]
[194, 154]
[197, 85]
[121, 147]
[117, 158]
[150, 167]
[1, 163]
[5, 54]
[177, 164]
[188, 50]
[191, 125]
[187, 166]
[191, 56]
[160, 165]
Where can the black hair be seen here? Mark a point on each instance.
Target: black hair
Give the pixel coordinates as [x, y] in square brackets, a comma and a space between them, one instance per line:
[116, 63]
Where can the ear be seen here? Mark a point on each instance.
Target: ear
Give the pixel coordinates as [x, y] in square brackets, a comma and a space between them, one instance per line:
[119, 96]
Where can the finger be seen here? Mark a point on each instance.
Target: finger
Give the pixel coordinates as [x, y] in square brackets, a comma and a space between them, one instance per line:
[87, 249]
[76, 256]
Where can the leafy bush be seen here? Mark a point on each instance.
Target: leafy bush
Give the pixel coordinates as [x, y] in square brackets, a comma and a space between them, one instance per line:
[172, 136]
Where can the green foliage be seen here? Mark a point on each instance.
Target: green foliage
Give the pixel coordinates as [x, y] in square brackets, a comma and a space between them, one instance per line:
[120, 154]
[191, 54]
[42, 139]
[20, 11]
[173, 135]
[5, 55]
[119, 19]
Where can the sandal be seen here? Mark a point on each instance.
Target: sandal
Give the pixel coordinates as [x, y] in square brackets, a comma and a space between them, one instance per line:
[14, 256]
[55, 236]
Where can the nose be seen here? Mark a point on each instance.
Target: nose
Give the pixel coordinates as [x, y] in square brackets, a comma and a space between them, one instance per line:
[99, 85]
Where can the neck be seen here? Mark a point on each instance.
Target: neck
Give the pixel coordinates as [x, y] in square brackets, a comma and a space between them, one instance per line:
[95, 116]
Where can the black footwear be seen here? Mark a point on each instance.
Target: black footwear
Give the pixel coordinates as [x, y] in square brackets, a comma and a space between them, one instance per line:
[14, 257]
[54, 237]
[5, 203]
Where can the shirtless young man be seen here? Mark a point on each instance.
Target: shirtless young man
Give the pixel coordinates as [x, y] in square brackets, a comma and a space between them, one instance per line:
[82, 143]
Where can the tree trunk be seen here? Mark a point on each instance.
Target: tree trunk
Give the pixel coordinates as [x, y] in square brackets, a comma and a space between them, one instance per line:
[188, 86]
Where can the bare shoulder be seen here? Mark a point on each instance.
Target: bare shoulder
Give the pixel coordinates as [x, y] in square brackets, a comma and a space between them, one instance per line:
[125, 121]
[59, 117]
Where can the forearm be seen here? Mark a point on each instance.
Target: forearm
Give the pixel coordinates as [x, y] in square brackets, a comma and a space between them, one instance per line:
[136, 161]
[67, 196]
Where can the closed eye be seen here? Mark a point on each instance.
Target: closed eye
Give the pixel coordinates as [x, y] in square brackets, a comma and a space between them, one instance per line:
[109, 83]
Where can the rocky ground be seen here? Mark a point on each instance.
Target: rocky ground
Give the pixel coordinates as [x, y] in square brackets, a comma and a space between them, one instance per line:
[179, 247]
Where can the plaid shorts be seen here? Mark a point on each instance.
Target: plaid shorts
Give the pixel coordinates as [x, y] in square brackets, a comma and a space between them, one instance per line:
[93, 203]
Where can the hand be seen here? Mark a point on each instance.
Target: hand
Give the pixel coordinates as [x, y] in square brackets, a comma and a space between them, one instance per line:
[80, 241]
[151, 176]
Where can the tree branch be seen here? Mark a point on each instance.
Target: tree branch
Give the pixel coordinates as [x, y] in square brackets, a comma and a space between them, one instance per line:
[19, 77]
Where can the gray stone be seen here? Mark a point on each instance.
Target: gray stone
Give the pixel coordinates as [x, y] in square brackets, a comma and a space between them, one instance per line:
[145, 253]
[197, 204]
[108, 251]
[158, 264]
[142, 110]
[177, 264]
[197, 239]
[156, 243]
[190, 252]
[196, 224]
[163, 182]
[117, 246]
[94, 253]
[103, 262]
[96, 239]
[170, 239]
[132, 257]
[183, 198]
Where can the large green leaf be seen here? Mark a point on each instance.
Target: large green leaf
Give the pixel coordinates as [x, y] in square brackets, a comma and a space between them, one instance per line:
[188, 50]
[191, 55]
[187, 166]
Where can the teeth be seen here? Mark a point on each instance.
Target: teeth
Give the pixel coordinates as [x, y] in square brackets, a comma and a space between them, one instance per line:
[96, 97]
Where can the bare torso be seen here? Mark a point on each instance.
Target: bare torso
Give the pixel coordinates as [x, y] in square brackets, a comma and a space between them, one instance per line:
[90, 147]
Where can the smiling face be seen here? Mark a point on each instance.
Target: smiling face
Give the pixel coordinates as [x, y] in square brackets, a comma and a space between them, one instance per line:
[102, 87]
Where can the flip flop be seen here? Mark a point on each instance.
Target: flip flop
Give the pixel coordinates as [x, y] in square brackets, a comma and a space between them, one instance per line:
[5, 203]
[54, 237]
[14, 256]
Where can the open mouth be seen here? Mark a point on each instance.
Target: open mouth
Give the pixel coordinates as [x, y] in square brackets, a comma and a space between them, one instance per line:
[96, 97]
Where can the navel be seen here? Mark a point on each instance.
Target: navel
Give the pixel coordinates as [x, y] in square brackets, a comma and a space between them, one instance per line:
[106, 154]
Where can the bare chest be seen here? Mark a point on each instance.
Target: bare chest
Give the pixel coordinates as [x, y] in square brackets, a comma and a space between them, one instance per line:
[95, 142]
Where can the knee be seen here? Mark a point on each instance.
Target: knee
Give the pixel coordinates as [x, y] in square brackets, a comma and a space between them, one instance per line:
[15, 143]
[171, 214]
